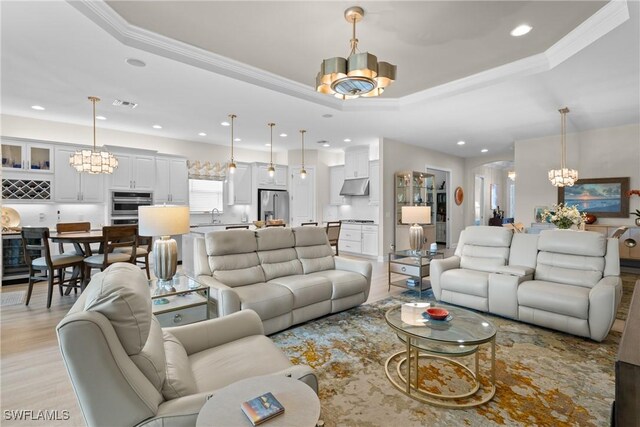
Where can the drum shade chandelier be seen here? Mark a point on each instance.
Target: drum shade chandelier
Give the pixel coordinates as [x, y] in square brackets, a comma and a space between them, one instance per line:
[232, 165]
[93, 161]
[563, 177]
[358, 75]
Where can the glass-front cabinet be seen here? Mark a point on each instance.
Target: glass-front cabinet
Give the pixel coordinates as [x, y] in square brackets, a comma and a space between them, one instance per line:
[26, 156]
[413, 189]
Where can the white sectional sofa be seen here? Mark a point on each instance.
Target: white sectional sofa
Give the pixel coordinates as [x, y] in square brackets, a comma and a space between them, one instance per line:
[560, 279]
[286, 275]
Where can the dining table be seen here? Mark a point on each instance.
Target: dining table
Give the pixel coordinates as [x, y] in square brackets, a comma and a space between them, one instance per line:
[81, 241]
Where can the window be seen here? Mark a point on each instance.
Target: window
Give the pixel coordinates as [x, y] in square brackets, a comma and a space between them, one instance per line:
[205, 195]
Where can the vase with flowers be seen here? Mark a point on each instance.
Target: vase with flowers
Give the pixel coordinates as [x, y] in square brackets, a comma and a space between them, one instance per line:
[637, 212]
[564, 216]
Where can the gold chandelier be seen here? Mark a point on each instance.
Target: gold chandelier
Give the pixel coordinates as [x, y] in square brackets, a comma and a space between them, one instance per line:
[563, 177]
[358, 75]
[92, 161]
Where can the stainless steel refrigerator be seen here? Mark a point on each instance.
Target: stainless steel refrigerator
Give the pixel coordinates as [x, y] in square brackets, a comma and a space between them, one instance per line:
[273, 204]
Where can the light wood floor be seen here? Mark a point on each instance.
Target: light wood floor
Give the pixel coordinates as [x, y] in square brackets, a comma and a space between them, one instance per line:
[32, 374]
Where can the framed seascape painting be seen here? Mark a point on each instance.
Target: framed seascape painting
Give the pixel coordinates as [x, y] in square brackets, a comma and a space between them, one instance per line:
[602, 197]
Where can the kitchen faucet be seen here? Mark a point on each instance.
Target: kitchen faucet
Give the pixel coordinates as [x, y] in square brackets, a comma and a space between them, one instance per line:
[214, 220]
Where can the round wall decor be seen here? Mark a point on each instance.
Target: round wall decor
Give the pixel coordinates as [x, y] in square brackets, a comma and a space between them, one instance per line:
[458, 196]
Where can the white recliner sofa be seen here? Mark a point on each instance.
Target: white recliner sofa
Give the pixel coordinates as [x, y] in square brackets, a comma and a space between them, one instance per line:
[561, 279]
[127, 371]
[286, 275]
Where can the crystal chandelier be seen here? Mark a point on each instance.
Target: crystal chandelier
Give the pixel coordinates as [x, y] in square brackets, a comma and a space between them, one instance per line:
[92, 161]
[563, 177]
[232, 164]
[358, 75]
[303, 172]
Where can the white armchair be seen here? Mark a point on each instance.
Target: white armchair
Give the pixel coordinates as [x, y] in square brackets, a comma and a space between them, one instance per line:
[127, 371]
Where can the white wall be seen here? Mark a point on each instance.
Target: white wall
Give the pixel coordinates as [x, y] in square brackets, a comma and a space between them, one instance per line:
[599, 153]
[397, 156]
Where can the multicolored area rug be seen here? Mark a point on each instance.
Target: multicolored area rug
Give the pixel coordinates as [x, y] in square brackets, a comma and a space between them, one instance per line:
[628, 285]
[544, 378]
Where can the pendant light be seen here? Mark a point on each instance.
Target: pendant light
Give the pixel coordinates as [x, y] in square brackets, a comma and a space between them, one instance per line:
[93, 161]
[271, 169]
[563, 177]
[303, 172]
[232, 164]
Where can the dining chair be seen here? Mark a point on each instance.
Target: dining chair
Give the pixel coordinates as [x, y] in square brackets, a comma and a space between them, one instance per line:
[232, 227]
[309, 223]
[276, 225]
[72, 227]
[333, 233]
[116, 240]
[37, 255]
[143, 249]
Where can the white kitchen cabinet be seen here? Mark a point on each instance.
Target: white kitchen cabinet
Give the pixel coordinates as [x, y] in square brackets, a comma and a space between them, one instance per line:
[19, 155]
[374, 182]
[70, 186]
[336, 179]
[134, 172]
[359, 239]
[356, 163]
[172, 181]
[303, 196]
[239, 185]
[278, 181]
[369, 240]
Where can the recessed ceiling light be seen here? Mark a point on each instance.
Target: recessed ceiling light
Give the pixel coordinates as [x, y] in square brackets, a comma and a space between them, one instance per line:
[202, 134]
[346, 140]
[37, 107]
[237, 139]
[267, 145]
[225, 124]
[101, 118]
[326, 144]
[157, 127]
[135, 62]
[461, 142]
[284, 135]
[484, 150]
[521, 30]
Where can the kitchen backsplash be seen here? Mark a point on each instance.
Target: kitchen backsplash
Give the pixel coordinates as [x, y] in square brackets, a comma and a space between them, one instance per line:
[46, 214]
[358, 209]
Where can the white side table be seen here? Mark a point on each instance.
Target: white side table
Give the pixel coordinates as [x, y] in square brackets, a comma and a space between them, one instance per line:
[301, 404]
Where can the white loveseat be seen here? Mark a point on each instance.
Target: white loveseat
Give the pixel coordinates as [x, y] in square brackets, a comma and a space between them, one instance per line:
[560, 279]
[286, 275]
[127, 371]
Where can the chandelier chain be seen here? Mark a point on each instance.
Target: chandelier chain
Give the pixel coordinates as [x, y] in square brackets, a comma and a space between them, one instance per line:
[232, 117]
[302, 131]
[271, 125]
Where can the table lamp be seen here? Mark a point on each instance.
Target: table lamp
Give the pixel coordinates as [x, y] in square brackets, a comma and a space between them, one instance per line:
[163, 221]
[416, 215]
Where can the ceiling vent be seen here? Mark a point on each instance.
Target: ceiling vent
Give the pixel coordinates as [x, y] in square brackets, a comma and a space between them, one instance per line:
[128, 104]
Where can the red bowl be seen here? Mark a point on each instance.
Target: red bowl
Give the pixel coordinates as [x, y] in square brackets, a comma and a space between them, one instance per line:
[437, 313]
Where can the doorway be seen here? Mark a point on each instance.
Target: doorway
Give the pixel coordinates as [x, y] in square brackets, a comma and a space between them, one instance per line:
[441, 209]
[478, 200]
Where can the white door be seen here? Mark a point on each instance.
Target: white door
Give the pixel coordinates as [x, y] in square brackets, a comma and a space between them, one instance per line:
[370, 243]
[303, 196]
[66, 179]
[92, 188]
[478, 201]
[281, 176]
[121, 176]
[179, 185]
[144, 176]
[163, 181]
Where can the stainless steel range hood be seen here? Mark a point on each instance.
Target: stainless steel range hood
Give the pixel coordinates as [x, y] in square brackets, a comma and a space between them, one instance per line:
[355, 187]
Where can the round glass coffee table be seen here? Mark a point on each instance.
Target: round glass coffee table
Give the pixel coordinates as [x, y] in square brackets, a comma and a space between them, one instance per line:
[462, 334]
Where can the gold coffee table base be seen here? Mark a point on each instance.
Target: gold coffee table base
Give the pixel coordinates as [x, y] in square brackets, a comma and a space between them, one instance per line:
[409, 385]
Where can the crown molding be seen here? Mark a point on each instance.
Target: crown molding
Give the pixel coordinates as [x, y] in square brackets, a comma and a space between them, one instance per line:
[596, 26]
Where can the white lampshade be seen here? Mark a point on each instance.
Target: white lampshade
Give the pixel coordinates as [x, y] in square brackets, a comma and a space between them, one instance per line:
[416, 215]
[163, 220]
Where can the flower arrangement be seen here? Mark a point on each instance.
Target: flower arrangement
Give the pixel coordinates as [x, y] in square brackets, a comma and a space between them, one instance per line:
[632, 192]
[564, 216]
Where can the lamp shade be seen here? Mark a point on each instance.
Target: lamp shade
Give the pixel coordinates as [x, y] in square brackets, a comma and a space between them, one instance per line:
[416, 215]
[163, 220]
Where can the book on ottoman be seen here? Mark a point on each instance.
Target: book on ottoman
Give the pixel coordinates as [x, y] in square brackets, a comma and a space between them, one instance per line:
[262, 408]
